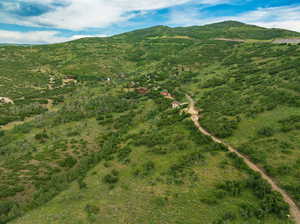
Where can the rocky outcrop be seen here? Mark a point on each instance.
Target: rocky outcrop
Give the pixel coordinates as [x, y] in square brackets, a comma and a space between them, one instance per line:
[6, 100]
[287, 41]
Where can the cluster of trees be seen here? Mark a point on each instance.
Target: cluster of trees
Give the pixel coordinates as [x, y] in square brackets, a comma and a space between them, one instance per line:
[290, 123]
[180, 170]
[10, 191]
[270, 202]
[213, 82]
[123, 154]
[246, 91]
[265, 131]
[49, 181]
[101, 107]
[19, 112]
[151, 139]
[68, 162]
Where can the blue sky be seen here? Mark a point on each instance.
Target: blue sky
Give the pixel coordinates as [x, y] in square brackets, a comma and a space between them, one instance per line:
[51, 21]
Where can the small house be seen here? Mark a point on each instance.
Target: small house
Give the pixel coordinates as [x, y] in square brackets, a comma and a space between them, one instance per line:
[142, 90]
[176, 104]
[165, 93]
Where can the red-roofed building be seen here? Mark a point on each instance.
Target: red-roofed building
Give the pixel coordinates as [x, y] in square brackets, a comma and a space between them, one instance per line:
[142, 90]
[165, 93]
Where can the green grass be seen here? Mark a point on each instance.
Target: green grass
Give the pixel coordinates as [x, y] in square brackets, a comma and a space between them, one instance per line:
[245, 89]
[249, 127]
[150, 198]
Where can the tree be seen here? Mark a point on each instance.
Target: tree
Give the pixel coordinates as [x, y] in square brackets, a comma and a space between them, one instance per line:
[265, 131]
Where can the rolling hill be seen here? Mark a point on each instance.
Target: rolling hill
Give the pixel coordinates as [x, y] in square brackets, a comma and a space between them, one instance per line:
[98, 129]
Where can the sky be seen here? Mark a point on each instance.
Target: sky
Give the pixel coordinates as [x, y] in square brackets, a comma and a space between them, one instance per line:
[54, 21]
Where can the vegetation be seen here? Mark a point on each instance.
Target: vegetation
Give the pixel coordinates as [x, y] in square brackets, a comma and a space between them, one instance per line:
[108, 147]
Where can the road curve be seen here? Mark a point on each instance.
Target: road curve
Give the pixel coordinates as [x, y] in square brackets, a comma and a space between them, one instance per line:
[294, 210]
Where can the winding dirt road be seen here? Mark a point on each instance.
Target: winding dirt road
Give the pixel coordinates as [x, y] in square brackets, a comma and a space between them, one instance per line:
[294, 210]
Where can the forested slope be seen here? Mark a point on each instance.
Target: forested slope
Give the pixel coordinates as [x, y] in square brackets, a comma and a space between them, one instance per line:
[109, 131]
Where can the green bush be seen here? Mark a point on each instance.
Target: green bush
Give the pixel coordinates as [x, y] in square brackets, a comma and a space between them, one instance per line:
[91, 209]
[124, 153]
[233, 188]
[146, 169]
[265, 131]
[290, 123]
[81, 183]
[8, 191]
[41, 136]
[111, 178]
[273, 203]
[68, 162]
[248, 211]
[5, 206]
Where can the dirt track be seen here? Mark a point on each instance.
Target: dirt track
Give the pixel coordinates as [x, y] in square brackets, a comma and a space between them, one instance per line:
[294, 210]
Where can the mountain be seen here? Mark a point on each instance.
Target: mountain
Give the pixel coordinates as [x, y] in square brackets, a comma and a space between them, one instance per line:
[227, 29]
[99, 130]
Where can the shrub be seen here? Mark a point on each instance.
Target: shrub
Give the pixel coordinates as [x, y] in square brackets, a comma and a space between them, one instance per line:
[234, 188]
[228, 217]
[5, 207]
[290, 123]
[41, 136]
[91, 209]
[145, 170]
[81, 183]
[148, 167]
[111, 178]
[43, 101]
[237, 161]
[159, 201]
[68, 162]
[266, 131]
[273, 203]
[124, 153]
[248, 210]
[10, 191]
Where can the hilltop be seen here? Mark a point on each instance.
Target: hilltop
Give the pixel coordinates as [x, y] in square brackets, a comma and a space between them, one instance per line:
[227, 29]
[97, 129]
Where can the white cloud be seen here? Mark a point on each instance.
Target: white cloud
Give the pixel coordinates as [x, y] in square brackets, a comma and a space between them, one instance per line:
[287, 17]
[37, 37]
[82, 14]
[187, 17]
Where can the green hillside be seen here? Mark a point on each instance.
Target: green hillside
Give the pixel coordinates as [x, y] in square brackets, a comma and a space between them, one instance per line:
[90, 138]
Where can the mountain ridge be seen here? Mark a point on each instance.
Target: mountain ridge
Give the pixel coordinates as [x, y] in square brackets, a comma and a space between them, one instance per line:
[211, 31]
[269, 33]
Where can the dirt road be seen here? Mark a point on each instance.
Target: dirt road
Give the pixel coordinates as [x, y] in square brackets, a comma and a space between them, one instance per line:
[294, 210]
